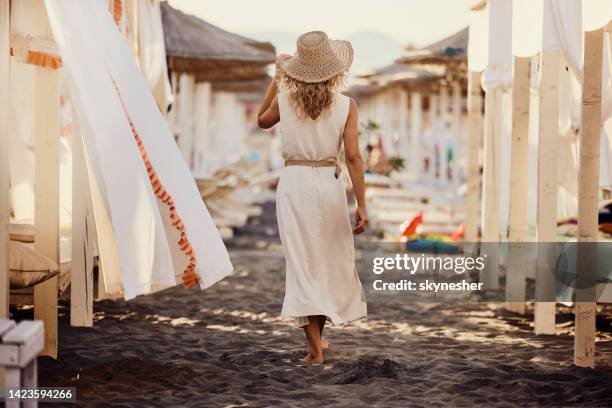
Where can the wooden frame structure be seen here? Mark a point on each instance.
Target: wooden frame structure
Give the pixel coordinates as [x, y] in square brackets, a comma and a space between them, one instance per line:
[516, 272]
[588, 199]
[4, 157]
[587, 289]
[44, 296]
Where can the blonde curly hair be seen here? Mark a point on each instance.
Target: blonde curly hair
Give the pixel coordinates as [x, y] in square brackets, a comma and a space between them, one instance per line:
[312, 99]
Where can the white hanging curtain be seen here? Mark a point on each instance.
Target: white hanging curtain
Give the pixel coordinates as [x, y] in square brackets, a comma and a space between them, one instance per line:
[496, 82]
[555, 24]
[31, 33]
[146, 31]
[202, 131]
[159, 222]
[229, 130]
[478, 45]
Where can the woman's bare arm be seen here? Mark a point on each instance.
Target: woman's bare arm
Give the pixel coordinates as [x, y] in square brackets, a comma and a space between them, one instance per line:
[268, 114]
[355, 166]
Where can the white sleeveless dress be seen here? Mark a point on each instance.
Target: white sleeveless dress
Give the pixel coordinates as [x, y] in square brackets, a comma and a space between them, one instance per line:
[313, 220]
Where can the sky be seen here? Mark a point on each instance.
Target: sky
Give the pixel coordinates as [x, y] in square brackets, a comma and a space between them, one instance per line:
[419, 22]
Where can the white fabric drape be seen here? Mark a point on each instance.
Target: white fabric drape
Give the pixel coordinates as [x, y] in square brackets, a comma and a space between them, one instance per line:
[500, 33]
[146, 244]
[478, 44]
[497, 83]
[559, 24]
[596, 14]
[28, 18]
[21, 141]
[152, 51]
[229, 130]
[185, 116]
[202, 131]
[29, 27]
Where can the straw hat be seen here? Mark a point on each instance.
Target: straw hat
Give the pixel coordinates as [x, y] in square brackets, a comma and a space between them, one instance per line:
[318, 58]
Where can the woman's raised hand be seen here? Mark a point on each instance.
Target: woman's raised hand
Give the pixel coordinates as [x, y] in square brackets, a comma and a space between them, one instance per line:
[279, 60]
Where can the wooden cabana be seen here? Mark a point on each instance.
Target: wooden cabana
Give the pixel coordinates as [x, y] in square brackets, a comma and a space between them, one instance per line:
[131, 194]
[209, 68]
[535, 53]
[447, 97]
[391, 97]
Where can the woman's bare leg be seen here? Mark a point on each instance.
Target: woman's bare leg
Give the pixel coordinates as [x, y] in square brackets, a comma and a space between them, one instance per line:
[322, 321]
[313, 335]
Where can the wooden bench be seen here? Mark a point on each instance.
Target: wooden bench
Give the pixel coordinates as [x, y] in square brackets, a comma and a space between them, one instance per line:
[19, 347]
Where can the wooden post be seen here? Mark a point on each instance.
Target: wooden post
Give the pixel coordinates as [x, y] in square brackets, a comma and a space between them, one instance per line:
[202, 130]
[81, 278]
[46, 197]
[588, 190]
[4, 162]
[172, 114]
[473, 163]
[490, 189]
[519, 181]
[185, 117]
[548, 186]
[434, 100]
[416, 127]
[456, 130]
[4, 158]
[443, 143]
[404, 143]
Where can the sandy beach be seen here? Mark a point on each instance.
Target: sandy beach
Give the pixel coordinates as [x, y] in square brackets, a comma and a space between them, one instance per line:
[227, 346]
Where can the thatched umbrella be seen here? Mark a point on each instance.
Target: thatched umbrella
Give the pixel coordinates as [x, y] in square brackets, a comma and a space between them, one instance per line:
[448, 50]
[211, 68]
[397, 75]
[211, 53]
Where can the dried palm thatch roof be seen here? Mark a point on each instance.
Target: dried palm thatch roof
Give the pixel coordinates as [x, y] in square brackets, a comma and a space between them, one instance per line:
[195, 46]
[403, 72]
[397, 75]
[452, 49]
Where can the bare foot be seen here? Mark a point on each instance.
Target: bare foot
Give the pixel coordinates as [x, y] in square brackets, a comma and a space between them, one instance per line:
[314, 359]
[324, 344]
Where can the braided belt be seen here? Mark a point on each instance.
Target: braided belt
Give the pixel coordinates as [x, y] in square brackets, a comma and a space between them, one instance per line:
[315, 163]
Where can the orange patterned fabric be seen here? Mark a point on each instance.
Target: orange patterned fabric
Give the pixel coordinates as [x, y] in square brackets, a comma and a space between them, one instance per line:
[117, 11]
[45, 60]
[41, 59]
[189, 275]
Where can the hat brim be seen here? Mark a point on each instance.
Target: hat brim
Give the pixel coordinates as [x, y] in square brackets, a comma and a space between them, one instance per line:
[343, 53]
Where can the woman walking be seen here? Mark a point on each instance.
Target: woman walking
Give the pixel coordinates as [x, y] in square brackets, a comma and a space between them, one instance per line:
[311, 207]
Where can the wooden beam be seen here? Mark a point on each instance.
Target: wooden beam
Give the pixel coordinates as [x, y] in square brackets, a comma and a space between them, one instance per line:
[588, 190]
[185, 117]
[81, 274]
[434, 101]
[402, 106]
[519, 182]
[473, 164]
[202, 129]
[4, 158]
[4, 163]
[490, 188]
[416, 127]
[444, 119]
[456, 130]
[548, 186]
[46, 197]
